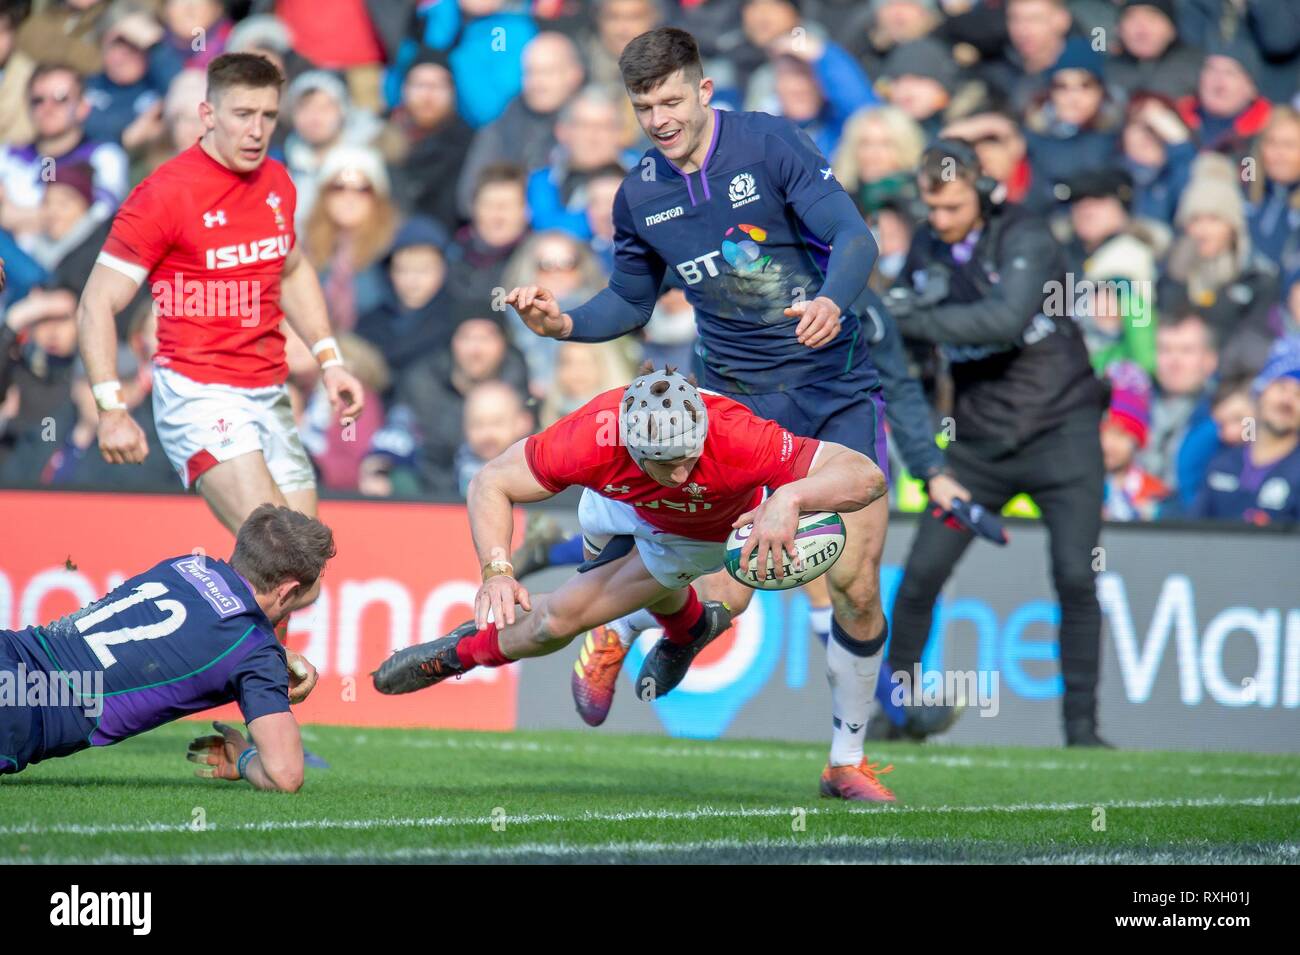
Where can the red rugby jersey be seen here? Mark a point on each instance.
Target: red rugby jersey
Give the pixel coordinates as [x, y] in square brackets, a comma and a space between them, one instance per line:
[743, 453]
[211, 243]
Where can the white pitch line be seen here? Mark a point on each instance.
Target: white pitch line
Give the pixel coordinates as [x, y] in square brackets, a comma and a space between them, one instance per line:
[757, 753]
[665, 815]
[1284, 852]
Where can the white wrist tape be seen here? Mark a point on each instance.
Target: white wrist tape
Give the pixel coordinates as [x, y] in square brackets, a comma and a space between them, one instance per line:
[108, 396]
[326, 351]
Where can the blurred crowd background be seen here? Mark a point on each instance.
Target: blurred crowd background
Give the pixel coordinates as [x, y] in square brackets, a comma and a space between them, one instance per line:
[446, 150]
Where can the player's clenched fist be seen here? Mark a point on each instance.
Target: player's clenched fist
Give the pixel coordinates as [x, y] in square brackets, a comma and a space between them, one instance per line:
[498, 597]
[540, 311]
[819, 321]
[121, 440]
[302, 676]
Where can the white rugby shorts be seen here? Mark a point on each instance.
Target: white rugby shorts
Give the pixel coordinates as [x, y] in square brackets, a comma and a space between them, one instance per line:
[672, 560]
[200, 425]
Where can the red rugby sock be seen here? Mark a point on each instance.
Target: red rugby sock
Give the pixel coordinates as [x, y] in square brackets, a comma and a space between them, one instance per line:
[683, 626]
[483, 649]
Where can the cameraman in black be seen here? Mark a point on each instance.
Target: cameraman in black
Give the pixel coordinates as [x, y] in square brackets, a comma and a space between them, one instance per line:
[1026, 406]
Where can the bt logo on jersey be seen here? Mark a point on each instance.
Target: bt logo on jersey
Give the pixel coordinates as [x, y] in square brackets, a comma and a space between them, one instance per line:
[246, 253]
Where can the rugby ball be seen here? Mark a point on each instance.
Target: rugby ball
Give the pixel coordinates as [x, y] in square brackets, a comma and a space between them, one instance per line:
[818, 540]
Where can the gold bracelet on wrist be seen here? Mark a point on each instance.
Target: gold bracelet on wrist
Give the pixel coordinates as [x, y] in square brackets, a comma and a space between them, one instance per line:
[498, 568]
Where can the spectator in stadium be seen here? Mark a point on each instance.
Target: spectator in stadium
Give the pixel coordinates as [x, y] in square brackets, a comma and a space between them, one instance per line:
[584, 370]
[63, 32]
[1269, 26]
[588, 133]
[1131, 493]
[1152, 58]
[15, 70]
[1180, 437]
[1077, 125]
[434, 389]
[881, 25]
[602, 189]
[1227, 111]
[266, 35]
[414, 317]
[425, 141]
[559, 262]
[1026, 403]
[1233, 411]
[1115, 255]
[1037, 30]
[35, 381]
[321, 118]
[482, 40]
[1213, 267]
[498, 223]
[76, 460]
[21, 272]
[617, 23]
[126, 97]
[999, 142]
[1273, 194]
[920, 78]
[669, 336]
[1258, 481]
[495, 418]
[349, 230]
[1158, 154]
[180, 117]
[524, 133]
[337, 452]
[197, 30]
[819, 106]
[877, 157]
[66, 220]
[59, 110]
[893, 225]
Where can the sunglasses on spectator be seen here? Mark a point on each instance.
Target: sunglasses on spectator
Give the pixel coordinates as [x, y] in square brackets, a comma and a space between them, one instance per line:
[557, 263]
[59, 98]
[350, 187]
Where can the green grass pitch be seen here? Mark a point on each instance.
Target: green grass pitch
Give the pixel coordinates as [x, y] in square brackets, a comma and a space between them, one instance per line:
[417, 796]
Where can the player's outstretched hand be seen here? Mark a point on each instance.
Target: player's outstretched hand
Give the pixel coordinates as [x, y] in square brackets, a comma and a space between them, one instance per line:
[819, 321]
[775, 522]
[498, 597]
[218, 756]
[346, 395]
[540, 311]
[121, 440]
[302, 676]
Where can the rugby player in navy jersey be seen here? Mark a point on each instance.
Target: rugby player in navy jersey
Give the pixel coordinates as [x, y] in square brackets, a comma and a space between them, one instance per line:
[772, 253]
[189, 634]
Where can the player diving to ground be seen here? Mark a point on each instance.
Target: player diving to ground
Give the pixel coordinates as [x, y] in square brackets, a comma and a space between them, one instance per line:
[773, 254]
[188, 634]
[668, 472]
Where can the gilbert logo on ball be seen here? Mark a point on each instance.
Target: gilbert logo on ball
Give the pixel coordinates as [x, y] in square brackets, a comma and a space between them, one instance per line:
[818, 541]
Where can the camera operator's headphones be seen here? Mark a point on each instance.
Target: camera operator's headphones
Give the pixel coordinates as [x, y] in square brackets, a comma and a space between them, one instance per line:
[991, 192]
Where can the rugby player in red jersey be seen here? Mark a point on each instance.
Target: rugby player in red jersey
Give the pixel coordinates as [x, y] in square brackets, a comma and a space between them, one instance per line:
[669, 471]
[211, 230]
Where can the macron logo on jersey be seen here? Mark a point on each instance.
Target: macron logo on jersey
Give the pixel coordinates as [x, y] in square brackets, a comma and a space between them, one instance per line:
[210, 586]
[246, 253]
[664, 216]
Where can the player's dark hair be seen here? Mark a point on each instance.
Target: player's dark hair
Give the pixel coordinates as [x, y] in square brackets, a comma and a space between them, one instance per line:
[656, 55]
[241, 69]
[277, 543]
